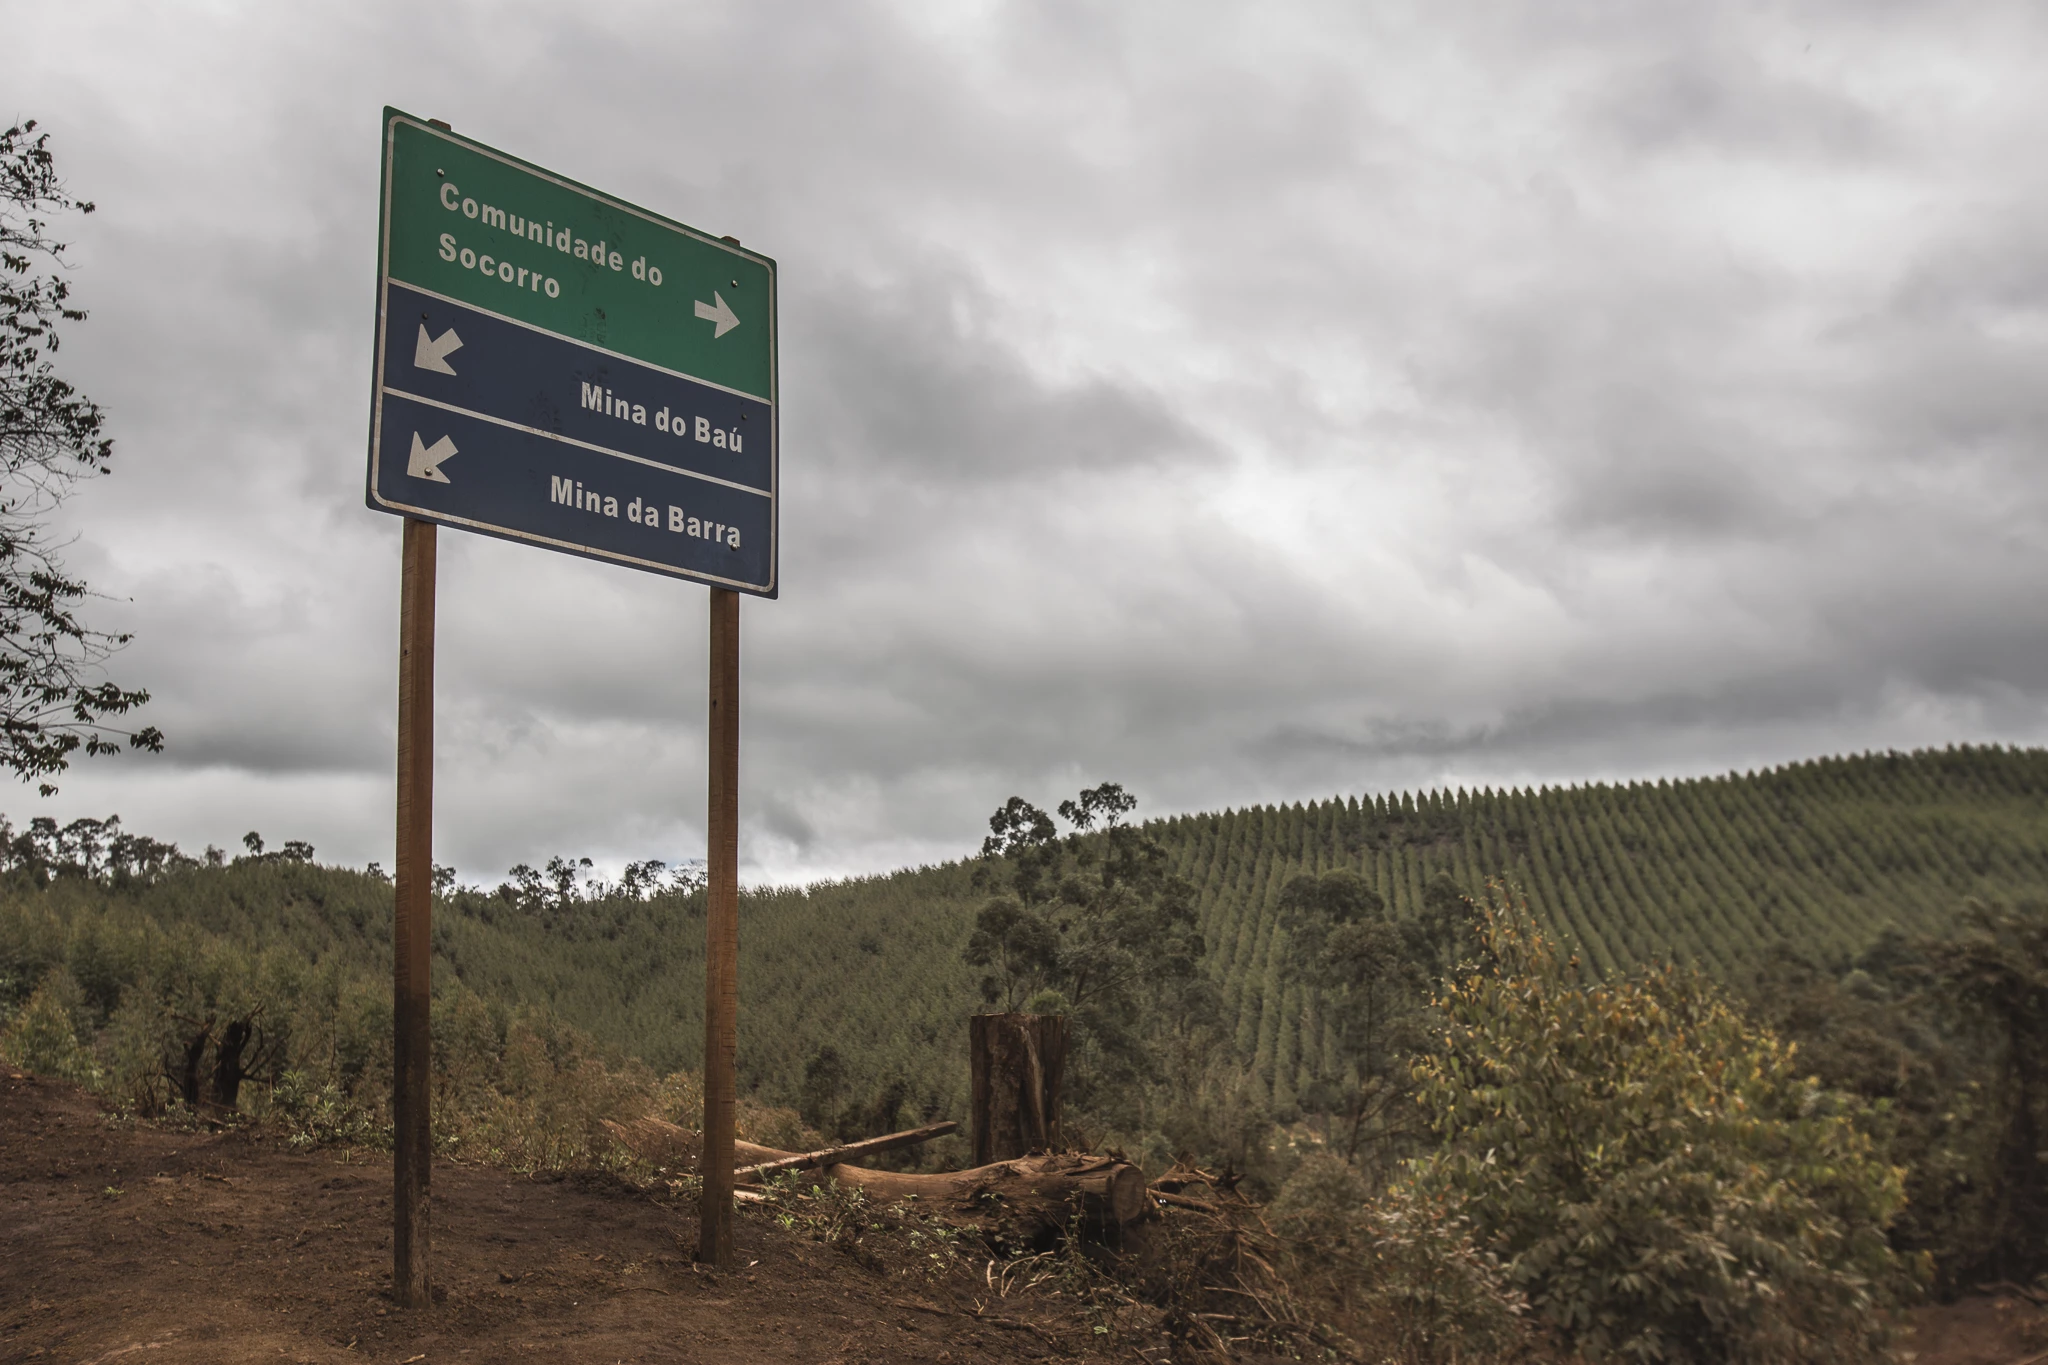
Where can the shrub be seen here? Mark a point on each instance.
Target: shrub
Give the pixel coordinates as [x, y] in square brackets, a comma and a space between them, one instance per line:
[545, 1112]
[315, 1113]
[1650, 1168]
[1992, 979]
[1403, 1272]
[44, 1036]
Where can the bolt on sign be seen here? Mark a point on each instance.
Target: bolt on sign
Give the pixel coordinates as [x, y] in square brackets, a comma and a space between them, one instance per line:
[562, 368]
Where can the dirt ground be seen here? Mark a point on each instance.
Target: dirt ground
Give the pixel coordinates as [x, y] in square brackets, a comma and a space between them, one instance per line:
[1985, 1329]
[148, 1246]
[135, 1244]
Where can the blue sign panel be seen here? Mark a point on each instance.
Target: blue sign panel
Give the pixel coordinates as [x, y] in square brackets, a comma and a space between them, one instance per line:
[500, 424]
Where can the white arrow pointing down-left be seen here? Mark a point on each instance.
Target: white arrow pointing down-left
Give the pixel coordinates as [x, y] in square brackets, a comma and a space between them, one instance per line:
[431, 353]
[425, 462]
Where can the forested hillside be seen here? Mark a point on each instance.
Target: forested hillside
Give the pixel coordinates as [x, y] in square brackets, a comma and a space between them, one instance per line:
[1811, 860]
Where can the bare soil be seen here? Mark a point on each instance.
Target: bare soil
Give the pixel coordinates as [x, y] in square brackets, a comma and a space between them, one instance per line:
[1981, 1329]
[133, 1243]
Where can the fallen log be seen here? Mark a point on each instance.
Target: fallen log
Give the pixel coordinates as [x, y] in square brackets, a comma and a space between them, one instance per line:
[1181, 1175]
[1029, 1201]
[845, 1152]
[1182, 1201]
[661, 1143]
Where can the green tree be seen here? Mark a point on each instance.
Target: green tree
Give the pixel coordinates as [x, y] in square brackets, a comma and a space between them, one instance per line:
[824, 1082]
[1092, 924]
[51, 701]
[44, 1037]
[1993, 980]
[1886, 1031]
[1653, 1171]
[1370, 991]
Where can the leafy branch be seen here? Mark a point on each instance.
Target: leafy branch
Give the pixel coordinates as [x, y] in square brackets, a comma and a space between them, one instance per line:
[53, 702]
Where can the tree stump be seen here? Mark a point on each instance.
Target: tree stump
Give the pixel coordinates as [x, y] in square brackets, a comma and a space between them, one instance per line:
[1016, 1064]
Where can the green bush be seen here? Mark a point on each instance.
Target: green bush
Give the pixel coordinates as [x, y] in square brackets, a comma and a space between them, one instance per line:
[1652, 1170]
[1992, 982]
[315, 1113]
[1402, 1274]
[44, 1036]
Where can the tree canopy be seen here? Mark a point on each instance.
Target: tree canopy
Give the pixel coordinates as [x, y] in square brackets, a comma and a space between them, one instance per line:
[1654, 1172]
[1992, 981]
[1093, 924]
[53, 700]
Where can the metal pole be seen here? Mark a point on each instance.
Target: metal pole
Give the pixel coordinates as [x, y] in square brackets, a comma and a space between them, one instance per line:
[412, 923]
[722, 933]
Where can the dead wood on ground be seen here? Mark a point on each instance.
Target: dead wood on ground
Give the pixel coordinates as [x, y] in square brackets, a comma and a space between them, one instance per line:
[847, 1151]
[1029, 1201]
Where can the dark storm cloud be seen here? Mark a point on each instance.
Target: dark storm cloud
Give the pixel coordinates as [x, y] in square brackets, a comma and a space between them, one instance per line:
[907, 384]
[1520, 738]
[1240, 405]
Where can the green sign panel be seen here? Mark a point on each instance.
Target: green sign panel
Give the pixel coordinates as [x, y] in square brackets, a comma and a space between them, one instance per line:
[597, 269]
[564, 368]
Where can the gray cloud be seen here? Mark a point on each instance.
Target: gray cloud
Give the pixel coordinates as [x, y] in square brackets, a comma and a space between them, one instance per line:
[910, 389]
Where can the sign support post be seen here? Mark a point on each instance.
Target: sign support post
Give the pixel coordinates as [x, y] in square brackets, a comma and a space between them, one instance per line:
[412, 1142]
[563, 369]
[722, 933]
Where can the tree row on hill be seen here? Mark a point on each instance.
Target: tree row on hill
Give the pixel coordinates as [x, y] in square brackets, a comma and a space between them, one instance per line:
[1811, 860]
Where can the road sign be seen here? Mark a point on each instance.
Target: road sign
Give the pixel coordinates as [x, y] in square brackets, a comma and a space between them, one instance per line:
[564, 369]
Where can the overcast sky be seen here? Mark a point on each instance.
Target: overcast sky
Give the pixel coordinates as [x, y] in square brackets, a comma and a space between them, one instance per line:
[1244, 403]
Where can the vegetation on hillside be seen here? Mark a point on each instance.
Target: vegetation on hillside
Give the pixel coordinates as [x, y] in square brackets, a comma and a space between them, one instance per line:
[1811, 863]
[1735, 875]
[1488, 1126]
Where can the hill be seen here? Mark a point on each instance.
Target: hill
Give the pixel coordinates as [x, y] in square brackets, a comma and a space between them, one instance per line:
[1812, 860]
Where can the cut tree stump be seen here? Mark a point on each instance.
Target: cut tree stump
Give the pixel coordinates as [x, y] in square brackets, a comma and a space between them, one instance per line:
[1016, 1063]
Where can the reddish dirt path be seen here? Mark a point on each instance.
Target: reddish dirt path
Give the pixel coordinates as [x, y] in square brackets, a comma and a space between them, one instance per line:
[133, 1244]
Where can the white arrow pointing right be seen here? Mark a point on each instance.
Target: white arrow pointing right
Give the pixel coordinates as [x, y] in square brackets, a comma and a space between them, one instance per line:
[719, 312]
[425, 462]
[433, 355]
